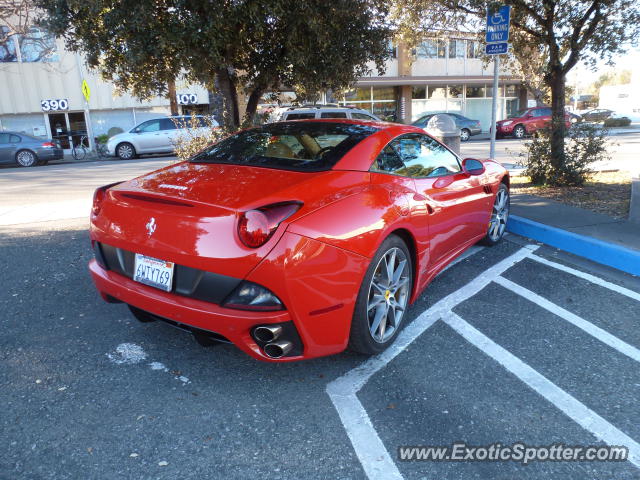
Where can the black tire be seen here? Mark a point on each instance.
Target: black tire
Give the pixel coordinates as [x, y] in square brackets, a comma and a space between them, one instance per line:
[360, 337]
[26, 158]
[125, 151]
[141, 315]
[465, 135]
[519, 131]
[491, 239]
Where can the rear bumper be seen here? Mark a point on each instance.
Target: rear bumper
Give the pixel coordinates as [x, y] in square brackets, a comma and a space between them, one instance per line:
[317, 283]
[50, 154]
[232, 324]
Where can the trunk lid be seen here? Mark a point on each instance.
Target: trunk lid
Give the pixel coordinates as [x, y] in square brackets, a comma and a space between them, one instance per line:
[188, 213]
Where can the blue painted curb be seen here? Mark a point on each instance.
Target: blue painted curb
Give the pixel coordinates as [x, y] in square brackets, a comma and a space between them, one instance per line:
[609, 254]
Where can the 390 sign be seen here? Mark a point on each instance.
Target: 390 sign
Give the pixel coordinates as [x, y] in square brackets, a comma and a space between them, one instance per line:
[54, 105]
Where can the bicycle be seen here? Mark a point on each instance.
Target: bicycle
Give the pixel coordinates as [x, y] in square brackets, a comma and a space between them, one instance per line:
[101, 151]
[79, 152]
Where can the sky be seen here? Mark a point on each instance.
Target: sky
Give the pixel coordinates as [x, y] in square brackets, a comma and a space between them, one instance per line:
[586, 76]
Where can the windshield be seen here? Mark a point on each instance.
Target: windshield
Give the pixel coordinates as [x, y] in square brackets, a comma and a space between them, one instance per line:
[302, 146]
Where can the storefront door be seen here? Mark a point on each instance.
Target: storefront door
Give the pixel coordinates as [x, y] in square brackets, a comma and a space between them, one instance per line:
[68, 128]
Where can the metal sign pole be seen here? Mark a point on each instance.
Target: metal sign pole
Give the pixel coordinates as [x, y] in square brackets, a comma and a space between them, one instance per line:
[494, 106]
[497, 38]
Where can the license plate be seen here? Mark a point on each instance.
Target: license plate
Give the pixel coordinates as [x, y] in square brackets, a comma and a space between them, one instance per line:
[153, 272]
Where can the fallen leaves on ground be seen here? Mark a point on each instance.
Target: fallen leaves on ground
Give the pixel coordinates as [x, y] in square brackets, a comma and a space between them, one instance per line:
[608, 193]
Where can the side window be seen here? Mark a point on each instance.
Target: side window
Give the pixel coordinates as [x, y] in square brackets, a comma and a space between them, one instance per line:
[14, 139]
[333, 115]
[419, 157]
[168, 123]
[544, 112]
[150, 126]
[4, 138]
[300, 116]
[361, 116]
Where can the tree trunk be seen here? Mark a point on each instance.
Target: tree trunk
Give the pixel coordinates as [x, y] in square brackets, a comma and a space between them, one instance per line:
[558, 127]
[230, 97]
[173, 101]
[252, 104]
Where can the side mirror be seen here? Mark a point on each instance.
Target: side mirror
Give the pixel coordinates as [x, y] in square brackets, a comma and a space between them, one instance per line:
[471, 166]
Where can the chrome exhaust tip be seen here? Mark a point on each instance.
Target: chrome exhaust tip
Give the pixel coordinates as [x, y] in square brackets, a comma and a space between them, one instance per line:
[277, 349]
[267, 333]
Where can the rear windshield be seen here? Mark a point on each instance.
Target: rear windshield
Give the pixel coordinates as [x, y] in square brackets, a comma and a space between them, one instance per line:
[306, 147]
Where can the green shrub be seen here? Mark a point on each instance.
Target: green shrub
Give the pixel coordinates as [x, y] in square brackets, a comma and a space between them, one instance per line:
[583, 145]
[617, 122]
[104, 138]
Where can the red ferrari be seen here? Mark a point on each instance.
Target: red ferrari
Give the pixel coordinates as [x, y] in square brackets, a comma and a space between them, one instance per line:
[295, 240]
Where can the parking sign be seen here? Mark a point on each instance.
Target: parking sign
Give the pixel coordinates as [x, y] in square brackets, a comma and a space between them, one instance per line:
[498, 24]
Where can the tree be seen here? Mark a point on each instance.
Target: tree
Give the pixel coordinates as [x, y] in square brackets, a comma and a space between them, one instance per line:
[245, 46]
[564, 31]
[135, 44]
[255, 46]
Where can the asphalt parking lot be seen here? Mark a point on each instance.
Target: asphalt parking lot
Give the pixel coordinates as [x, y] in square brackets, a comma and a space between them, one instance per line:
[516, 343]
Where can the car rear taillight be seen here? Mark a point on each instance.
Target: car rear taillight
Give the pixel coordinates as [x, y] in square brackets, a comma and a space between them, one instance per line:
[48, 145]
[98, 197]
[256, 226]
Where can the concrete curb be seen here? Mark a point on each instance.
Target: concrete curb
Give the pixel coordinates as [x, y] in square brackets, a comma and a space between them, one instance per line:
[615, 256]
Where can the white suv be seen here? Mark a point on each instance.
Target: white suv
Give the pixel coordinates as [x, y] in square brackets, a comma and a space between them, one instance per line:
[305, 113]
[155, 136]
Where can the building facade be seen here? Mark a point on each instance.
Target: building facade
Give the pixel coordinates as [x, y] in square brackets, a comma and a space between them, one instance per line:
[41, 93]
[47, 91]
[440, 75]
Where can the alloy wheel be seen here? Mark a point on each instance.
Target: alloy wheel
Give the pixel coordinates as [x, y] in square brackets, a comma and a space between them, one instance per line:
[464, 135]
[125, 151]
[499, 215]
[388, 295]
[519, 131]
[26, 159]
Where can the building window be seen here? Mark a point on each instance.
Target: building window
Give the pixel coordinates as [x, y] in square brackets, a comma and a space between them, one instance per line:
[475, 91]
[474, 50]
[419, 92]
[392, 49]
[7, 46]
[432, 48]
[358, 95]
[437, 92]
[384, 93]
[455, 91]
[38, 46]
[456, 48]
[511, 91]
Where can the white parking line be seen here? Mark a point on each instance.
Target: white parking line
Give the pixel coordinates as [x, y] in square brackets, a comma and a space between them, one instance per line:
[574, 409]
[590, 328]
[589, 277]
[371, 452]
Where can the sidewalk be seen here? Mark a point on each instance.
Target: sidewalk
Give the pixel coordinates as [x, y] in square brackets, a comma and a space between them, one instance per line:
[595, 236]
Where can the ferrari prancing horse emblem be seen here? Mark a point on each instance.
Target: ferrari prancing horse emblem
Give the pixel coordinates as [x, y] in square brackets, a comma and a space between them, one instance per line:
[151, 226]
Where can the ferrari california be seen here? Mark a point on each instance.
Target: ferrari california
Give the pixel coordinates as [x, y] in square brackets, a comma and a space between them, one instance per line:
[295, 240]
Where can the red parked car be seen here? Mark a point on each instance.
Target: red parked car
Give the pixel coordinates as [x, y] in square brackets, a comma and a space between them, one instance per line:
[526, 122]
[295, 240]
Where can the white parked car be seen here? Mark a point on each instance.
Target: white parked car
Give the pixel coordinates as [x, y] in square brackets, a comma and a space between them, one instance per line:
[156, 136]
[309, 112]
